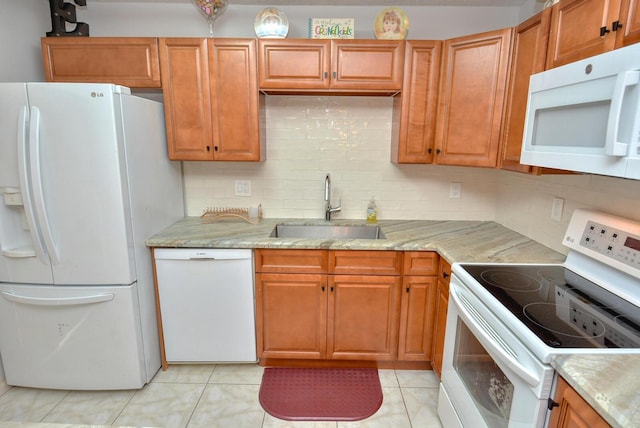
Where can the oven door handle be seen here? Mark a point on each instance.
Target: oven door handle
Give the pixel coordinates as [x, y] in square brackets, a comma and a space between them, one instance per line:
[482, 328]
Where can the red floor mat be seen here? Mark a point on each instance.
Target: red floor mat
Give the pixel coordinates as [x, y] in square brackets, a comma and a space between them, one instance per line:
[322, 394]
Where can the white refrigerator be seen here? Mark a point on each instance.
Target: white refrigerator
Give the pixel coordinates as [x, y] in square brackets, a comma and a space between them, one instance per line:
[84, 180]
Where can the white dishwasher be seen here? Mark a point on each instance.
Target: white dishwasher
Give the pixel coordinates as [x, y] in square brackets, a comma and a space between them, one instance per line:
[207, 304]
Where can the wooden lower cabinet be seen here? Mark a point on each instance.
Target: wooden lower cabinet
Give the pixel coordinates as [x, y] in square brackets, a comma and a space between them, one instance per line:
[362, 317]
[291, 315]
[346, 305]
[572, 410]
[441, 304]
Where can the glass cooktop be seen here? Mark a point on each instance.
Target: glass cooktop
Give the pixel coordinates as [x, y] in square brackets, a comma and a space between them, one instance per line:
[562, 308]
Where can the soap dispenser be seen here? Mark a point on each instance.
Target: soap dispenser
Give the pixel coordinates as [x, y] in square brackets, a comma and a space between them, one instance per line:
[372, 216]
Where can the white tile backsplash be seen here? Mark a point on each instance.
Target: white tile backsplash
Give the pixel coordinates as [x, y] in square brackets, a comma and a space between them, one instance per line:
[349, 137]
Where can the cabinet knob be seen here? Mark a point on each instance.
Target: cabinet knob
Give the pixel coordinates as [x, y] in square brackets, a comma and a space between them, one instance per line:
[335, 74]
[616, 25]
[323, 288]
[445, 275]
[326, 74]
[430, 151]
[215, 148]
[208, 148]
[603, 31]
[437, 151]
[407, 289]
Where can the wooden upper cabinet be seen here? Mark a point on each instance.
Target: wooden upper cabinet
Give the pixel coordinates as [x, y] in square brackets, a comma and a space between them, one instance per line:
[373, 66]
[580, 29]
[528, 57]
[414, 129]
[127, 61]
[236, 100]
[211, 99]
[471, 97]
[187, 104]
[630, 19]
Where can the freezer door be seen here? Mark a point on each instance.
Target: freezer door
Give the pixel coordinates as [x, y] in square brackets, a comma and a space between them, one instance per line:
[22, 254]
[71, 337]
[79, 180]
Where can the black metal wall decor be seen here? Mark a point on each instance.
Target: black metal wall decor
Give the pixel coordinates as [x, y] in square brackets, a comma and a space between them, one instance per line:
[63, 13]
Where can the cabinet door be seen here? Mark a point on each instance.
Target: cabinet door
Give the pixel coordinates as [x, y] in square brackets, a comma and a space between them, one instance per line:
[576, 27]
[528, 57]
[630, 19]
[235, 100]
[371, 65]
[442, 301]
[363, 317]
[365, 262]
[573, 411]
[471, 98]
[291, 315]
[416, 318]
[413, 141]
[127, 61]
[300, 64]
[187, 103]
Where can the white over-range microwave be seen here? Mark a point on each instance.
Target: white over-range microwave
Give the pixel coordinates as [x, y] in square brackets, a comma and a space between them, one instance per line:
[585, 116]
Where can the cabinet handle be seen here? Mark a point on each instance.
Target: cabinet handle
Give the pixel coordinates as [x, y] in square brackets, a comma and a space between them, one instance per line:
[407, 289]
[335, 74]
[445, 275]
[323, 288]
[208, 148]
[430, 151]
[332, 289]
[215, 148]
[616, 25]
[437, 151]
[551, 404]
[603, 31]
[326, 74]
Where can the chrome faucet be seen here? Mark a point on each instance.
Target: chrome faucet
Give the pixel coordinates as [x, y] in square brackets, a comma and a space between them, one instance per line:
[328, 209]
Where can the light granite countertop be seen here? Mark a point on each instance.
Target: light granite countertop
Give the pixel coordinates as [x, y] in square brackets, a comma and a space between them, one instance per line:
[456, 241]
[610, 384]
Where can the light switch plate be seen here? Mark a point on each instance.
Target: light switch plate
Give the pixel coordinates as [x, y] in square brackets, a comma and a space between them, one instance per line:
[243, 187]
[455, 190]
[556, 209]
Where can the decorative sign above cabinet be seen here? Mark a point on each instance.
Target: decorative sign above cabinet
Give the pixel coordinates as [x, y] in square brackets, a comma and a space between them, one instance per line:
[61, 13]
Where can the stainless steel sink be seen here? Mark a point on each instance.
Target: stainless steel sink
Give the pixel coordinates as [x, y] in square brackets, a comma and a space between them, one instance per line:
[334, 231]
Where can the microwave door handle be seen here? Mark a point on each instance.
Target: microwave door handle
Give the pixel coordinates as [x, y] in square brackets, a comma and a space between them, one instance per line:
[613, 147]
[476, 322]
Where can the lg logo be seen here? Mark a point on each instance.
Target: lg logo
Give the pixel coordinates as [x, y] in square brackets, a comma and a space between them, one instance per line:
[97, 95]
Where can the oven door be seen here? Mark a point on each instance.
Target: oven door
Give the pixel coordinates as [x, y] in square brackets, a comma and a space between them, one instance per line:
[489, 379]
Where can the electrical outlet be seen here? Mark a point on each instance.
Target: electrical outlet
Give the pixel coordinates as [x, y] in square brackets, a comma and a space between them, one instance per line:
[243, 187]
[455, 190]
[556, 209]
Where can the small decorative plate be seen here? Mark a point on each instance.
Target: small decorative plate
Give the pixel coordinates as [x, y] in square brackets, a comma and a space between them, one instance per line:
[271, 23]
[391, 23]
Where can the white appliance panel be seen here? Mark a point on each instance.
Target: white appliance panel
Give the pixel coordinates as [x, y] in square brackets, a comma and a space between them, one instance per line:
[19, 238]
[84, 336]
[207, 304]
[83, 181]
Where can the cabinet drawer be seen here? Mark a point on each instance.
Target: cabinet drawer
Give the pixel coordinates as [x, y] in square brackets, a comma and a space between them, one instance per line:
[291, 261]
[421, 263]
[128, 61]
[351, 262]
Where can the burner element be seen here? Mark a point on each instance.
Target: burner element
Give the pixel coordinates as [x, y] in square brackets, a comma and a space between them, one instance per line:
[510, 280]
[574, 325]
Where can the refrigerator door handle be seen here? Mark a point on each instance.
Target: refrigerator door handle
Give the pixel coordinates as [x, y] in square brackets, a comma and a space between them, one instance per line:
[58, 301]
[36, 185]
[25, 187]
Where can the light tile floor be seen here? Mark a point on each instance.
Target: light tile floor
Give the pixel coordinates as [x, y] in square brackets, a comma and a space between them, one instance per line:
[199, 396]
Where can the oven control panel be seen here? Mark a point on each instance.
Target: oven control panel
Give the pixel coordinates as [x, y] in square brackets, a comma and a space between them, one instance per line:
[609, 239]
